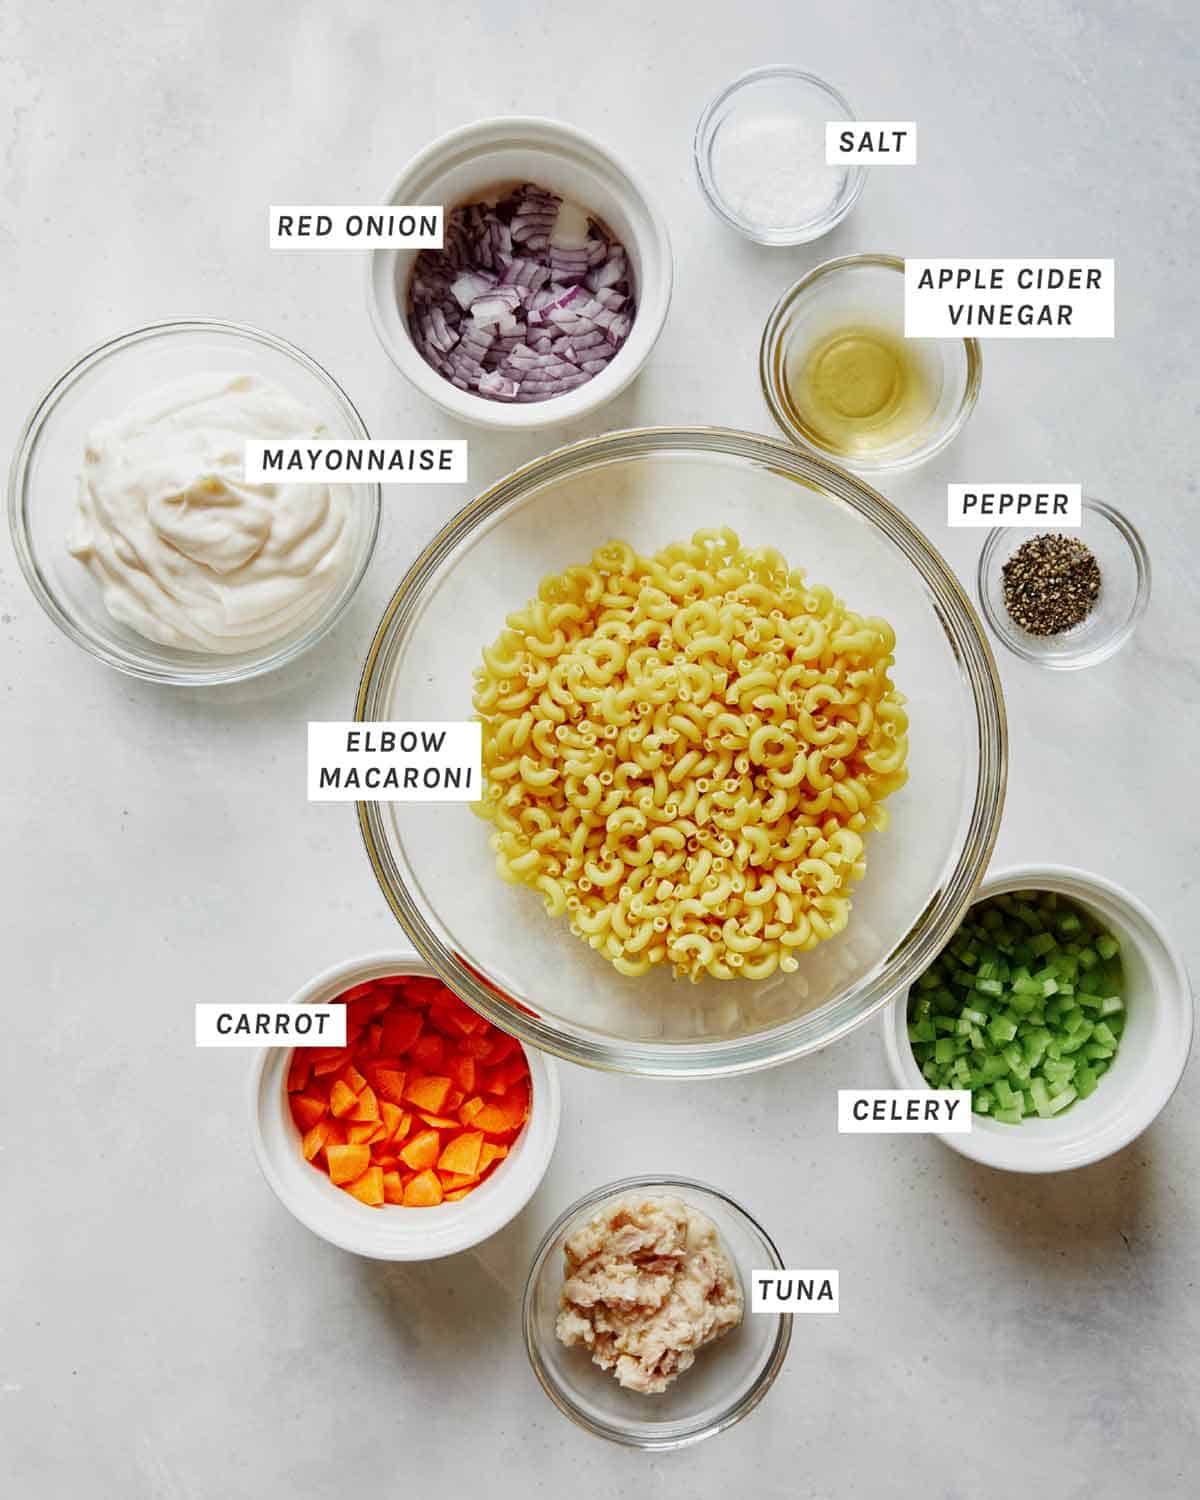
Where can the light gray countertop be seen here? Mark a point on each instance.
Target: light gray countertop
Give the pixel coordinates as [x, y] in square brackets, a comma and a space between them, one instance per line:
[166, 1329]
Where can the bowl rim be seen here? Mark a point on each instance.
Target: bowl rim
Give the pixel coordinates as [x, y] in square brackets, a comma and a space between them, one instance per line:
[357, 1236]
[1014, 1152]
[209, 669]
[760, 234]
[653, 293]
[769, 346]
[776, 1045]
[737, 1409]
[1084, 656]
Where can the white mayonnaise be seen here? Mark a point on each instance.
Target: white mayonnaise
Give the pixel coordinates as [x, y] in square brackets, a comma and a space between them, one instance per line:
[187, 553]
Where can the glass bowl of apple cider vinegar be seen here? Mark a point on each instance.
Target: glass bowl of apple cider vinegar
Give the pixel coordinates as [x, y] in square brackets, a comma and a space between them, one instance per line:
[841, 379]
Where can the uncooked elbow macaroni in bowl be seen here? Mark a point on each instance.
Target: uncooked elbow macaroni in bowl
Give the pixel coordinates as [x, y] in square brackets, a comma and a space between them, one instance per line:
[684, 752]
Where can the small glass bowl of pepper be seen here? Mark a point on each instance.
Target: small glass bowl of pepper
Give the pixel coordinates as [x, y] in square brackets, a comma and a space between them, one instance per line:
[1070, 598]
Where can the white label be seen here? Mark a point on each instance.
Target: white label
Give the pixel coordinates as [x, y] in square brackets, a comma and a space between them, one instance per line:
[1009, 299]
[351, 460]
[395, 762]
[793, 1291]
[871, 143]
[1014, 504]
[904, 1111]
[270, 1025]
[392, 226]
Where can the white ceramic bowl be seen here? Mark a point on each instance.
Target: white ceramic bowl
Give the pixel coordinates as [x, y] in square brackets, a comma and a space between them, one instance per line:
[393, 1232]
[1149, 1062]
[469, 164]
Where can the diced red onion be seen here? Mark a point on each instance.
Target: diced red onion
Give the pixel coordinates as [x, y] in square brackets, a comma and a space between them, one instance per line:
[505, 312]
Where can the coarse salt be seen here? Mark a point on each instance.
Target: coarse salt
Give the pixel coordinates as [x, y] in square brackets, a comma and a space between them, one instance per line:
[772, 172]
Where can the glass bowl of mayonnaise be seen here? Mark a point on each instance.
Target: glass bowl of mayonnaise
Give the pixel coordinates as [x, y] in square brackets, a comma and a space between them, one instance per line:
[138, 530]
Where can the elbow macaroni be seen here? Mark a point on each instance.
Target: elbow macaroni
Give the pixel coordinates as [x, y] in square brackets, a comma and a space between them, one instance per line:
[683, 752]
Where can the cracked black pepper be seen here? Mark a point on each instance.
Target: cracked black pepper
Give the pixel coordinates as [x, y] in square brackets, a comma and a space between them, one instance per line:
[1051, 583]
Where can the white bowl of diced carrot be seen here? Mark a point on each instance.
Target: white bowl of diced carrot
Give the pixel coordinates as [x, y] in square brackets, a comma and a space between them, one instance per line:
[428, 1132]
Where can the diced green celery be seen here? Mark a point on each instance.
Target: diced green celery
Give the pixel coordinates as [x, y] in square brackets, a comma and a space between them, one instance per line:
[1107, 945]
[944, 1049]
[1060, 1101]
[1001, 1030]
[1111, 1005]
[1085, 1082]
[1104, 1034]
[1041, 1096]
[1069, 923]
[982, 1102]
[1004, 1094]
[1008, 1116]
[1041, 944]
[1088, 957]
[989, 986]
[921, 1031]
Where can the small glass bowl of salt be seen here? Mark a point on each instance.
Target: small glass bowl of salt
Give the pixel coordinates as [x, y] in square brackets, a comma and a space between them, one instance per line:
[760, 156]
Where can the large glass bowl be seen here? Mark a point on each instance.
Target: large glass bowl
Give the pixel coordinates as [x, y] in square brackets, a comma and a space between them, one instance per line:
[493, 943]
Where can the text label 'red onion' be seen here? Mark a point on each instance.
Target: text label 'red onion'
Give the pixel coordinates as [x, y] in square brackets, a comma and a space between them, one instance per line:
[350, 460]
[390, 226]
[395, 762]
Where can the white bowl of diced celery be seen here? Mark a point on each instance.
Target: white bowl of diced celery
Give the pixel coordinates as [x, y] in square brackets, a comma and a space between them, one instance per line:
[1064, 1008]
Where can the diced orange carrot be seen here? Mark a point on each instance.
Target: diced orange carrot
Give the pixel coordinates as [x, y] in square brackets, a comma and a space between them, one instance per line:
[469, 1110]
[478, 1045]
[372, 1040]
[307, 1109]
[389, 1084]
[490, 1152]
[391, 1115]
[427, 1093]
[461, 1068]
[454, 1101]
[493, 1119]
[347, 1162]
[462, 1154]
[360, 1131]
[299, 1070]
[516, 1102]
[422, 1151]
[424, 1191]
[454, 1181]
[379, 1134]
[393, 1188]
[368, 1188]
[441, 1122]
[422, 991]
[502, 1047]
[429, 1052]
[329, 1060]
[359, 1013]
[401, 1028]
[343, 1101]
[384, 1159]
[315, 1138]
[455, 1197]
[492, 1081]
[353, 1078]
[367, 1105]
